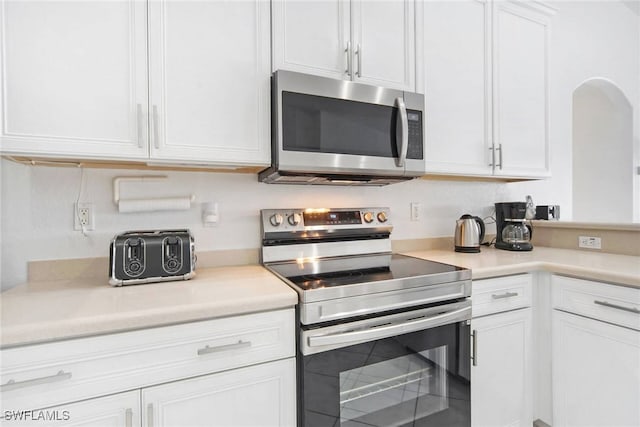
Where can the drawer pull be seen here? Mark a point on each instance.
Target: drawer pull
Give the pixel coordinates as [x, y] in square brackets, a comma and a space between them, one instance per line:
[12, 385]
[619, 307]
[227, 347]
[505, 295]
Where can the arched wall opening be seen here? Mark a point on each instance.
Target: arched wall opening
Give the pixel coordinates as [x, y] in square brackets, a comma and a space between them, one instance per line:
[603, 155]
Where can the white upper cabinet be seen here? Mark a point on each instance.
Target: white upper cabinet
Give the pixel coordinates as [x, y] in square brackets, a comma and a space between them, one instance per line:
[78, 83]
[485, 81]
[457, 86]
[520, 89]
[368, 41]
[74, 78]
[312, 37]
[209, 81]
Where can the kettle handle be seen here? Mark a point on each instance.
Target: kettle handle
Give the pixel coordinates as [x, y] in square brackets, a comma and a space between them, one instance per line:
[481, 224]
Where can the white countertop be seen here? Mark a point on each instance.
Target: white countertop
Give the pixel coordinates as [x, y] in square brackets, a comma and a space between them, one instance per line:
[491, 262]
[43, 311]
[52, 310]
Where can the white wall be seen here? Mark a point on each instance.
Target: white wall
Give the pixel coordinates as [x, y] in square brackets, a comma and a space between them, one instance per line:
[594, 39]
[602, 154]
[37, 209]
[588, 39]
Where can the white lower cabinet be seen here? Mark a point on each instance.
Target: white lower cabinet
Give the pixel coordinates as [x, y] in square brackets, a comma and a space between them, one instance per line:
[262, 395]
[232, 371]
[596, 361]
[501, 386]
[117, 410]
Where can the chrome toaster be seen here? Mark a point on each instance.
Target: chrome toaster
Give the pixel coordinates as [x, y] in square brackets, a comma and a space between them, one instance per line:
[137, 257]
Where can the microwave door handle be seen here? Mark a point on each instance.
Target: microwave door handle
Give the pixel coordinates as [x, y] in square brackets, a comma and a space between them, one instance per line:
[404, 132]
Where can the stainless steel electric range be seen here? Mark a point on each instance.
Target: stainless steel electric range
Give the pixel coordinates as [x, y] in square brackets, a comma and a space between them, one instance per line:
[383, 339]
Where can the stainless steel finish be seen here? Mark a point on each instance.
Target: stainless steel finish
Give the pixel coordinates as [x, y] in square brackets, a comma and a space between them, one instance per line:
[227, 347]
[359, 54]
[617, 307]
[342, 335]
[351, 166]
[348, 52]
[156, 138]
[139, 118]
[474, 347]
[505, 295]
[467, 233]
[404, 132]
[375, 297]
[14, 385]
[500, 156]
[493, 156]
[128, 417]
[150, 415]
[310, 252]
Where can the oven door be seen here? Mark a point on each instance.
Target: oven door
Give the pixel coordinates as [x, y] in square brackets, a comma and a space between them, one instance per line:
[331, 126]
[408, 369]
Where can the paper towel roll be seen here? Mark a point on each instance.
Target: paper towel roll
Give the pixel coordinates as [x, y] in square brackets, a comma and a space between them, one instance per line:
[149, 205]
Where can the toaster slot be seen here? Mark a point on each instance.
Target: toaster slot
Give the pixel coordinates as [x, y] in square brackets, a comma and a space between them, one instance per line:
[172, 259]
[134, 257]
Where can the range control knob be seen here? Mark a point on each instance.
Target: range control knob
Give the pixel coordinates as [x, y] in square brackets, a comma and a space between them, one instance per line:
[382, 217]
[368, 217]
[276, 219]
[294, 219]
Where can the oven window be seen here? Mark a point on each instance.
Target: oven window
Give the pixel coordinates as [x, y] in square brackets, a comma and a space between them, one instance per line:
[394, 391]
[415, 379]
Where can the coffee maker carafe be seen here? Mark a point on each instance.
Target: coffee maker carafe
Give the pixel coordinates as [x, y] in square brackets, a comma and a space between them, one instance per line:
[512, 233]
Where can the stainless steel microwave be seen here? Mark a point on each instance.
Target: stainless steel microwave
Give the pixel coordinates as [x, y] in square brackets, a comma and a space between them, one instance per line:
[327, 131]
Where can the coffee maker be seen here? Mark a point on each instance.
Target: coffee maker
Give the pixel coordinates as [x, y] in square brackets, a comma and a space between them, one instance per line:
[512, 233]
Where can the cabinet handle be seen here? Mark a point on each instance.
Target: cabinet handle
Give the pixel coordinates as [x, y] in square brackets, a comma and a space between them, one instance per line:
[12, 384]
[359, 54]
[493, 156]
[500, 156]
[474, 349]
[227, 347]
[150, 415]
[139, 118]
[505, 295]
[348, 52]
[618, 307]
[156, 140]
[128, 417]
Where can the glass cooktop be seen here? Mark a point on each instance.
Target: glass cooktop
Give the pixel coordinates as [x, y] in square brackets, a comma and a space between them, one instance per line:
[314, 274]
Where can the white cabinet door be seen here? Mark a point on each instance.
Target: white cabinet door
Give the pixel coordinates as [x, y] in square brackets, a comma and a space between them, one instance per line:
[261, 395]
[311, 37]
[371, 42]
[456, 55]
[520, 90]
[596, 373]
[74, 78]
[383, 43]
[117, 410]
[209, 81]
[501, 387]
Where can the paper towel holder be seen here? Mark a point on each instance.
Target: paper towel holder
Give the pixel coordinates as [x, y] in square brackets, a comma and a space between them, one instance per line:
[148, 205]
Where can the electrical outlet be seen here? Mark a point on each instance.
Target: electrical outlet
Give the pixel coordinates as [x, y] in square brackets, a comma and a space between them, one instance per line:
[589, 242]
[83, 216]
[415, 211]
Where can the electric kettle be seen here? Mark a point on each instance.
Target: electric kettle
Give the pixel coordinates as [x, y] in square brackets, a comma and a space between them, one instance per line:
[469, 234]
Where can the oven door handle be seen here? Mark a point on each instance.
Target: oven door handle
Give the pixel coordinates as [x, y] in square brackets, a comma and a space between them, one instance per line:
[402, 132]
[379, 332]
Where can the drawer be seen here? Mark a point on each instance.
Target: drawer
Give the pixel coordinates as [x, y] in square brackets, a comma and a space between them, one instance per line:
[500, 294]
[615, 304]
[50, 374]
